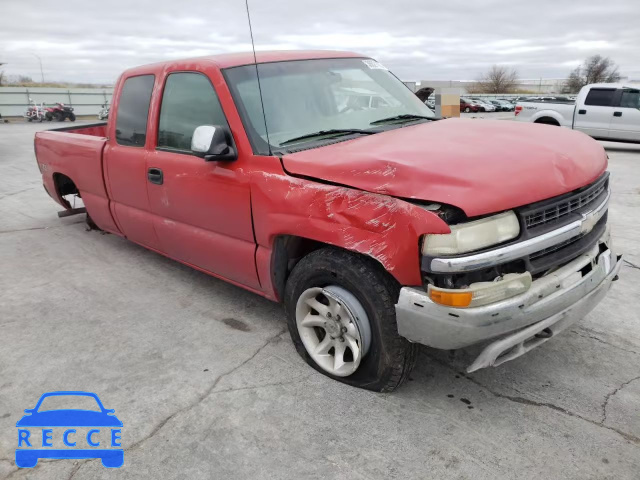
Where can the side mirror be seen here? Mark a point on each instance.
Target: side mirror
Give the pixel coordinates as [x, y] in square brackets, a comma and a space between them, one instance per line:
[213, 143]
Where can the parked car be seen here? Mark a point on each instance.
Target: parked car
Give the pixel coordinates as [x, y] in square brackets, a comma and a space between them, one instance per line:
[378, 229]
[467, 105]
[484, 105]
[606, 111]
[503, 106]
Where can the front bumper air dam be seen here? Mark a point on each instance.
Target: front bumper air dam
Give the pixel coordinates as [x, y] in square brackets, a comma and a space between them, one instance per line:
[553, 303]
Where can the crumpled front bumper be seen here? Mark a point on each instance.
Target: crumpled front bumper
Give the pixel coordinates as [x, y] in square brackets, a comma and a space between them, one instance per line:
[553, 303]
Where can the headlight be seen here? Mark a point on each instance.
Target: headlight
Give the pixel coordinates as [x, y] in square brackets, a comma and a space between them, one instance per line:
[475, 235]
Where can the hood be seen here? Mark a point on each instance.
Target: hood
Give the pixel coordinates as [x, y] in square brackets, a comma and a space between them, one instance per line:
[480, 166]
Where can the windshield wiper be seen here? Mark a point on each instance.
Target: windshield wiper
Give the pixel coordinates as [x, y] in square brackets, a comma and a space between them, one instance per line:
[404, 116]
[333, 131]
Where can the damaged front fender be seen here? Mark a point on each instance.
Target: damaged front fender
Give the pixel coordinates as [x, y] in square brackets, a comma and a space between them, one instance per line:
[385, 228]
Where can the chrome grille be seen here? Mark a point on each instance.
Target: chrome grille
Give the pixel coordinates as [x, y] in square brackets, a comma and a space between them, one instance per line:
[554, 248]
[551, 213]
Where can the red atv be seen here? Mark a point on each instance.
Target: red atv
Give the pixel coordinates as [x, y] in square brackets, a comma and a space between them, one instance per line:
[60, 112]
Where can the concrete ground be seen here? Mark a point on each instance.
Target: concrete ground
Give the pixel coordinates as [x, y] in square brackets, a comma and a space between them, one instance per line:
[208, 385]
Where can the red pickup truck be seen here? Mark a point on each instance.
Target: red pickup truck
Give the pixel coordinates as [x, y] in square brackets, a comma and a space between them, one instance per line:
[375, 225]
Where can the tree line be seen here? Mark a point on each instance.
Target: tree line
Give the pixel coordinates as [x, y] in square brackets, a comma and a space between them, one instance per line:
[595, 69]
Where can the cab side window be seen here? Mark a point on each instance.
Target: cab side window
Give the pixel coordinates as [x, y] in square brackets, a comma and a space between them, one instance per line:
[188, 101]
[630, 99]
[133, 110]
[600, 97]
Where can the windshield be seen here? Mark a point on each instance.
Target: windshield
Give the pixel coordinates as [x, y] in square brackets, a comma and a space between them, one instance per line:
[69, 402]
[308, 96]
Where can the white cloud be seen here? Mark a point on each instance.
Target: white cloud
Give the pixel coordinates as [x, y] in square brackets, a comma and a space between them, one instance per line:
[447, 40]
[590, 45]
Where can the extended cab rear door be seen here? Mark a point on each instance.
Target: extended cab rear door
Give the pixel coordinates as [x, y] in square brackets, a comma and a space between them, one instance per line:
[625, 120]
[125, 160]
[594, 116]
[202, 210]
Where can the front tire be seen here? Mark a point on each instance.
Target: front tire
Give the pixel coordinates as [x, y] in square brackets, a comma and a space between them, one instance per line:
[72, 117]
[467, 110]
[341, 316]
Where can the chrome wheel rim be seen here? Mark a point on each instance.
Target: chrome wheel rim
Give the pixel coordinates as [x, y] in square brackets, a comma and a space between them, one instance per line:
[334, 329]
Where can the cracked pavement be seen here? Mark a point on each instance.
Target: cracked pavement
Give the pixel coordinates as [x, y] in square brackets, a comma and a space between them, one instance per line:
[208, 385]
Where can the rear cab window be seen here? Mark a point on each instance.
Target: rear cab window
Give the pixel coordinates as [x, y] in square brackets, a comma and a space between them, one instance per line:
[630, 98]
[188, 101]
[133, 110]
[602, 97]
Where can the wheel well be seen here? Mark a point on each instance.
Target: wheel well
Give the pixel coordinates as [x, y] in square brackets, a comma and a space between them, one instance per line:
[64, 186]
[288, 250]
[547, 121]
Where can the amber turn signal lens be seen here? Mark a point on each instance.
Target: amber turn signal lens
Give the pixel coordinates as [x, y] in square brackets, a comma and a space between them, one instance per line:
[451, 299]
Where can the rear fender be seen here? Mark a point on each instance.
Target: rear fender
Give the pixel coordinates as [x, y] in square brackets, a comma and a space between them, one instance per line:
[78, 157]
[550, 114]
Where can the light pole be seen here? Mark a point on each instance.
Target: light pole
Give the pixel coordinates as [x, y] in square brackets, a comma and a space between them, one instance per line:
[40, 61]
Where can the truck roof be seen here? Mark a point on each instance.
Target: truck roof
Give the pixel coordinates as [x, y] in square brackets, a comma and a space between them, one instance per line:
[609, 85]
[228, 60]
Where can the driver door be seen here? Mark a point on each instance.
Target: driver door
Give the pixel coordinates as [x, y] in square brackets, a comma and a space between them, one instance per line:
[202, 211]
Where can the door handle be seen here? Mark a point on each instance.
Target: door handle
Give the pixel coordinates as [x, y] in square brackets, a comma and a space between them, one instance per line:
[581, 112]
[617, 114]
[155, 176]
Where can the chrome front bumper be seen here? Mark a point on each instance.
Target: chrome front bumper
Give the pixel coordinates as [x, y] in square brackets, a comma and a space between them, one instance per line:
[553, 302]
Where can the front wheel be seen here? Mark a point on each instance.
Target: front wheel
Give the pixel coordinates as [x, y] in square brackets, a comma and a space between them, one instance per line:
[72, 117]
[341, 316]
[467, 110]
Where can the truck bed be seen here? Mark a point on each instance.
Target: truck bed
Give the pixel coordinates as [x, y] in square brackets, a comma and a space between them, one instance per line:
[546, 112]
[98, 129]
[75, 152]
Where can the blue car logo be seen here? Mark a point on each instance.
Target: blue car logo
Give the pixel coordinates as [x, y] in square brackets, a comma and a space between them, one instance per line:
[72, 429]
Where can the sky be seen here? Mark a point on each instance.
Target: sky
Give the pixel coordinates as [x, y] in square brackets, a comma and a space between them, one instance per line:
[93, 42]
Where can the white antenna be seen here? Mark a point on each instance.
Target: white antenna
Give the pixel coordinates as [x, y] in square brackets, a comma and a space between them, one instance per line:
[255, 61]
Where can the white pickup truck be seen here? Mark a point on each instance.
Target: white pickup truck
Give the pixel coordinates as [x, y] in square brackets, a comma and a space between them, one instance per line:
[606, 111]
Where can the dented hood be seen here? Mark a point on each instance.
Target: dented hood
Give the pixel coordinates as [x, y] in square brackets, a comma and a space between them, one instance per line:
[479, 166]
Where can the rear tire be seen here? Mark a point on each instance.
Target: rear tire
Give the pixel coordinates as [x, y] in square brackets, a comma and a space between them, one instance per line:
[382, 365]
